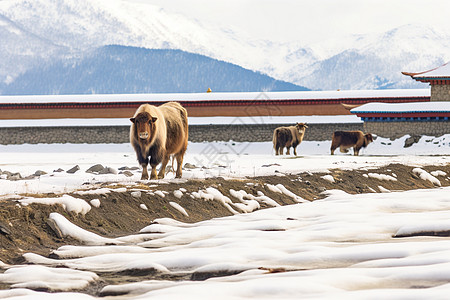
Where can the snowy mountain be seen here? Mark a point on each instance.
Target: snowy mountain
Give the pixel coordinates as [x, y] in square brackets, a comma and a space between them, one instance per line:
[376, 61]
[34, 32]
[125, 69]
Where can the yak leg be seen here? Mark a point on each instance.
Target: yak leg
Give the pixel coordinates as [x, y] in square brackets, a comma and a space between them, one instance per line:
[144, 172]
[287, 150]
[162, 171]
[277, 147]
[179, 158]
[295, 148]
[334, 146]
[153, 173]
[143, 161]
[356, 150]
[155, 159]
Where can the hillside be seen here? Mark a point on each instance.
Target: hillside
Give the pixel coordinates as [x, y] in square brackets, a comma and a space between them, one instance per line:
[121, 69]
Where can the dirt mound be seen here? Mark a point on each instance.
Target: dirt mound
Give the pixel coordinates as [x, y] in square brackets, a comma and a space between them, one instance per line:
[28, 229]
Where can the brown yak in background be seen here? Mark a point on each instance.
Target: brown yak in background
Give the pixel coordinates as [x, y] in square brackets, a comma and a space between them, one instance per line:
[290, 136]
[348, 139]
[156, 133]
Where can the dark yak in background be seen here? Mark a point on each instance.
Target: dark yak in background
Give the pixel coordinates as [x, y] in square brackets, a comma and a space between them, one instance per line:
[348, 139]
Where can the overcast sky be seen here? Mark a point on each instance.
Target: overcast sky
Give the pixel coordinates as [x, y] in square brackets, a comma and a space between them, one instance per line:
[312, 20]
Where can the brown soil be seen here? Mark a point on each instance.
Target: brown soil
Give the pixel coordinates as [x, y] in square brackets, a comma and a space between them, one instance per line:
[25, 228]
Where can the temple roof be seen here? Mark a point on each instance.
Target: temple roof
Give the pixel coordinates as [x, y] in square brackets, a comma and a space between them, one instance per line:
[419, 111]
[442, 72]
[417, 107]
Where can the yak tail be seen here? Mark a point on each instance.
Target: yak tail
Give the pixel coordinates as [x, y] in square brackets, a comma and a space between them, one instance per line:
[275, 138]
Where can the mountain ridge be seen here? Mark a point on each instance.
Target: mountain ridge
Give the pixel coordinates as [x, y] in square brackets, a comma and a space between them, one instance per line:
[51, 30]
[124, 69]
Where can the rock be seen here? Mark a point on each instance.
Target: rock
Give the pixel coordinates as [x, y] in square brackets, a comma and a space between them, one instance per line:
[4, 229]
[58, 170]
[52, 224]
[321, 189]
[108, 170]
[128, 168]
[95, 169]
[189, 166]
[39, 173]
[127, 173]
[14, 176]
[73, 170]
[411, 141]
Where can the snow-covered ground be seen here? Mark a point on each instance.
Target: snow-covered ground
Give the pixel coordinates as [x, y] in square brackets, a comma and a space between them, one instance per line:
[335, 248]
[226, 159]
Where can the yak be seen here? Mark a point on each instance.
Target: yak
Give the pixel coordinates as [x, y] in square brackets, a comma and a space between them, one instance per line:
[156, 133]
[290, 136]
[348, 139]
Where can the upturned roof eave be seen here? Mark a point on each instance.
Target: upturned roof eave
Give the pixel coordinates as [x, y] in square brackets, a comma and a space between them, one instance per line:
[424, 77]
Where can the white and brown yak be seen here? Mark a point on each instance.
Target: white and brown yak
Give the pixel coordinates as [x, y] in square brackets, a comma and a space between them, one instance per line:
[290, 136]
[156, 133]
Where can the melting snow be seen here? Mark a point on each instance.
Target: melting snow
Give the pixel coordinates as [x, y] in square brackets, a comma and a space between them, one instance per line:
[426, 176]
[329, 178]
[69, 203]
[338, 247]
[95, 202]
[380, 176]
[78, 233]
[179, 208]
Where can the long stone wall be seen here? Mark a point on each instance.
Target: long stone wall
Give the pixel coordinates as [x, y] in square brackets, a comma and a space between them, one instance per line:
[396, 130]
[208, 133]
[197, 133]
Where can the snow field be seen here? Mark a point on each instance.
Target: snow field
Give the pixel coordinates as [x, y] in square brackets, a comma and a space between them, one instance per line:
[343, 246]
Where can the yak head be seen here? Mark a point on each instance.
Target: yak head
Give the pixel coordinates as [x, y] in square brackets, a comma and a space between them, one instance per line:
[368, 138]
[144, 125]
[301, 126]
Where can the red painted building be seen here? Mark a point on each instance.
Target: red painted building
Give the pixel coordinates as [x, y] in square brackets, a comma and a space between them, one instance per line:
[306, 103]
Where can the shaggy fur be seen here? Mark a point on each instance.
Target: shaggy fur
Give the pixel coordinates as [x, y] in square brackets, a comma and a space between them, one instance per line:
[288, 137]
[348, 139]
[156, 133]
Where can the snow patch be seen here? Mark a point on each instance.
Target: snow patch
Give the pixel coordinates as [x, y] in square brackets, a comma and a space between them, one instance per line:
[95, 203]
[381, 176]
[438, 173]
[383, 189]
[69, 229]
[328, 178]
[288, 193]
[178, 194]
[45, 278]
[179, 208]
[424, 175]
[68, 202]
[160, 193]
